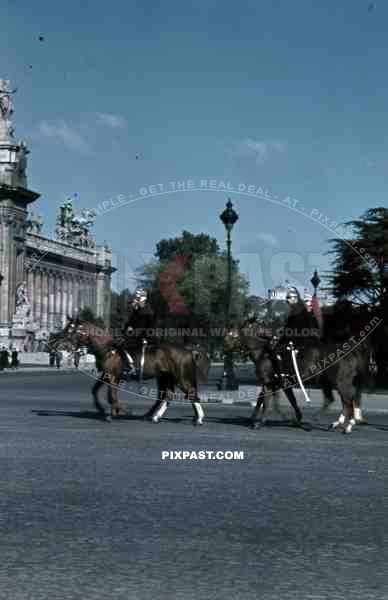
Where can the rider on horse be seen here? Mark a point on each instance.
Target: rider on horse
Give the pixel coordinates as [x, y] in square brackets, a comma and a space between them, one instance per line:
[139, 329]
[301, 326]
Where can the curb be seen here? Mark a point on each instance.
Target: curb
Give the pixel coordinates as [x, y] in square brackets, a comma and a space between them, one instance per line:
[36, 371]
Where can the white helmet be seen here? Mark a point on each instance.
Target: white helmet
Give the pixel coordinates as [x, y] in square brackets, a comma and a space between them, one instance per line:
[293, 296]
[140, 296]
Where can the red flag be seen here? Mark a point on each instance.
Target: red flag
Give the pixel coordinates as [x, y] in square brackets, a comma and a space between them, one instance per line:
[316, 310]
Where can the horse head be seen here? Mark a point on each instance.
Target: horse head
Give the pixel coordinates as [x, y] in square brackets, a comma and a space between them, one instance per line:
[244, 338]
[76, 332]
[232, 341]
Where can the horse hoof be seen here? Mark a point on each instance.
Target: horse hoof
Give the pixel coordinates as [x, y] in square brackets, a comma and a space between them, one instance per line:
[108, 418]
[155, 420]
[255, 426]
[196, 423]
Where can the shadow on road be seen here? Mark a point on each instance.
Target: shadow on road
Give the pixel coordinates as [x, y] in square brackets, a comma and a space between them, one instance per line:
[246, 422]
[95, 416]
[231, 421]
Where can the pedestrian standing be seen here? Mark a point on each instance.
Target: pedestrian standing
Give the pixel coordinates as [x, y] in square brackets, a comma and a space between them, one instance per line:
[58, 358]
[4, 359]
[14, 359]
[77, 357]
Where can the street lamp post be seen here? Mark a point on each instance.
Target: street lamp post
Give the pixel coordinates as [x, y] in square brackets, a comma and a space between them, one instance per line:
[229, 217]
[315, 281]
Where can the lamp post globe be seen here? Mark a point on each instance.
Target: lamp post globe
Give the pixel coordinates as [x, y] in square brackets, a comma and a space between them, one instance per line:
[315, 281]
[228, 217]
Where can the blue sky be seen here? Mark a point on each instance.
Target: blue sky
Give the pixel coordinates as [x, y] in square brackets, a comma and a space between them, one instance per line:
[287, 96]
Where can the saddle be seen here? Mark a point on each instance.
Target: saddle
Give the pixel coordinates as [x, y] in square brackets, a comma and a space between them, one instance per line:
[283, 359]
[133, 357]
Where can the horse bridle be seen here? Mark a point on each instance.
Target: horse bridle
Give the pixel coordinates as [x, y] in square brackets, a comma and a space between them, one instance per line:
[236, 335]
[79, 330]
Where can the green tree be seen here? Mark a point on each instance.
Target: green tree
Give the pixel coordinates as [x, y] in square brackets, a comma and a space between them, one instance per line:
[187, 243]
[360, 274]
[360, 265]
[201, 285]
[87, 314]
[119, 309]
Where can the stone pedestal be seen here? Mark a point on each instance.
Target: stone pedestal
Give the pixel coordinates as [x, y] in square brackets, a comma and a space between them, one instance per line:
[20, 325]
[13, 204]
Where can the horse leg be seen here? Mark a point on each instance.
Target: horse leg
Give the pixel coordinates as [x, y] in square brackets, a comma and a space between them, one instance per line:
[99, 383]
[158, 404]
[359, 418]
[340, 421]
[150, 413]
[328, 399]
[292, 400]
[349, 408]
[160, 411]
[165, 394]
[191, 392]
[346, 391]
[113, 400]
[255, 422]
[199, 412]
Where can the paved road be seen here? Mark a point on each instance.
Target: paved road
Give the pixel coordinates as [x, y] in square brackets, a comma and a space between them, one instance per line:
[90, 510]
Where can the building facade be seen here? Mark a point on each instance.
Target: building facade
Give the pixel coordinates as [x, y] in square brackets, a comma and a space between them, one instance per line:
[43, 279]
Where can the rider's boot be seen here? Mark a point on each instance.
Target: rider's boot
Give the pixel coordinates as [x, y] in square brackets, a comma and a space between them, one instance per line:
[132, 369]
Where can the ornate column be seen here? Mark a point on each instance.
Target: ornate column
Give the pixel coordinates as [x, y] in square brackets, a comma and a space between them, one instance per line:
[30, 287]
[58, 298]
[51, 300]
[107, 303]
[93, 292]
[45, 299]
[37, 295]
[82, 293]
[70, 297]
[100, 294]
[89, 293]
[64, 299]
[76, 307]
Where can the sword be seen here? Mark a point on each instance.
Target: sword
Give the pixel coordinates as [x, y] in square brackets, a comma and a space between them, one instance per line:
[142, 360]
[293, 355]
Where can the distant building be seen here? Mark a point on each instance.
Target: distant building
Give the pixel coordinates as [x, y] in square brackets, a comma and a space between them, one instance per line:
[42, 279]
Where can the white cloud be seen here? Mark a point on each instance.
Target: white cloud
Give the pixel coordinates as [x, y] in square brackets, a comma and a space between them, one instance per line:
[268, 239]
[60, 132]
[113, 121]
[259, 150]
[259, 242]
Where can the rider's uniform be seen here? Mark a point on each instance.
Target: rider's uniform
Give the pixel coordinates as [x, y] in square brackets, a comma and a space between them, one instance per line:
[300, 329]
[140, 327]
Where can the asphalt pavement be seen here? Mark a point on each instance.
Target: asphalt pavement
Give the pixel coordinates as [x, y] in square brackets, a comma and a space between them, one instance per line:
[92, 510]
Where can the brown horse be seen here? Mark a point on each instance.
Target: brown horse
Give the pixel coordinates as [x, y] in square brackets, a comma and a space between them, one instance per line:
[255, 347]
[168, 364]
[340, 367]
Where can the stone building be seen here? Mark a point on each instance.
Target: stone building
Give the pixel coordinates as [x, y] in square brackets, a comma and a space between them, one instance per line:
[42, 279]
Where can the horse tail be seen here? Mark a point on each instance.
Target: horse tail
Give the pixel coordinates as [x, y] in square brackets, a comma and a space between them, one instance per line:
[201, 362]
